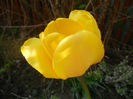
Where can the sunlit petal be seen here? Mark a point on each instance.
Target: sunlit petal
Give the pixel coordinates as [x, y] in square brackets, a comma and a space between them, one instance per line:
[63, 25]
[51, 41]
[36, 56]
[76, 53]
[86, 20]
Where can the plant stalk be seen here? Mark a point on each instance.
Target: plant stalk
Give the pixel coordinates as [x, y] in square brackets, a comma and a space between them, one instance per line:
[85, 87]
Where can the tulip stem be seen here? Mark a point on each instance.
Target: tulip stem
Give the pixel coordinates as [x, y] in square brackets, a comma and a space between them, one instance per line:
[85, 88]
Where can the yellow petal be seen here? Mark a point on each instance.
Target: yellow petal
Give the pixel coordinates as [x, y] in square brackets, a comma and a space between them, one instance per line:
[36, 56]
[86, 20]
[63, 25]
[51, 41]
[76, 53]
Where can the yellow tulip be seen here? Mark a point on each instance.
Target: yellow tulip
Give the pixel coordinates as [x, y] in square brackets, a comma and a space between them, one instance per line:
[67, 47]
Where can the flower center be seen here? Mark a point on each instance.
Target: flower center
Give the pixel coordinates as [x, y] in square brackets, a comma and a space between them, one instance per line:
[51, 41]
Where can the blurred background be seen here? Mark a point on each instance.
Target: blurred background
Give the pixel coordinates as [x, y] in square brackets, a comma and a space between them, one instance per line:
[110, 79]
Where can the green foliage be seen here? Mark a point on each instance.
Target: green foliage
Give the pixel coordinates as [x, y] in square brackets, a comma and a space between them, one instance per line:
[121, 77]
[82, 6]
[6, 66]
[76, 87]
[95, 82]
[13, 33]
[131, 50]
[54, 97]
[105, 77]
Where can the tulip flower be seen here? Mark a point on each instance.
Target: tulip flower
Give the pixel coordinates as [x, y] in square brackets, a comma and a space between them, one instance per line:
[67, 47]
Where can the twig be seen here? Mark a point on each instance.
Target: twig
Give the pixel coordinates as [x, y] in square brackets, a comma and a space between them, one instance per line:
[3, 13]
[20, 97]
[9, 11]
[128, 17]
[52, 8]
[23, 11]
[24, 26]
[88, 4]
[51, 82]
[9, 21]
[62, 86]
[117, 41]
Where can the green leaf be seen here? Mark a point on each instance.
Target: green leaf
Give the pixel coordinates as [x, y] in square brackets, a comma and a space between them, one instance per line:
[54, 97]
